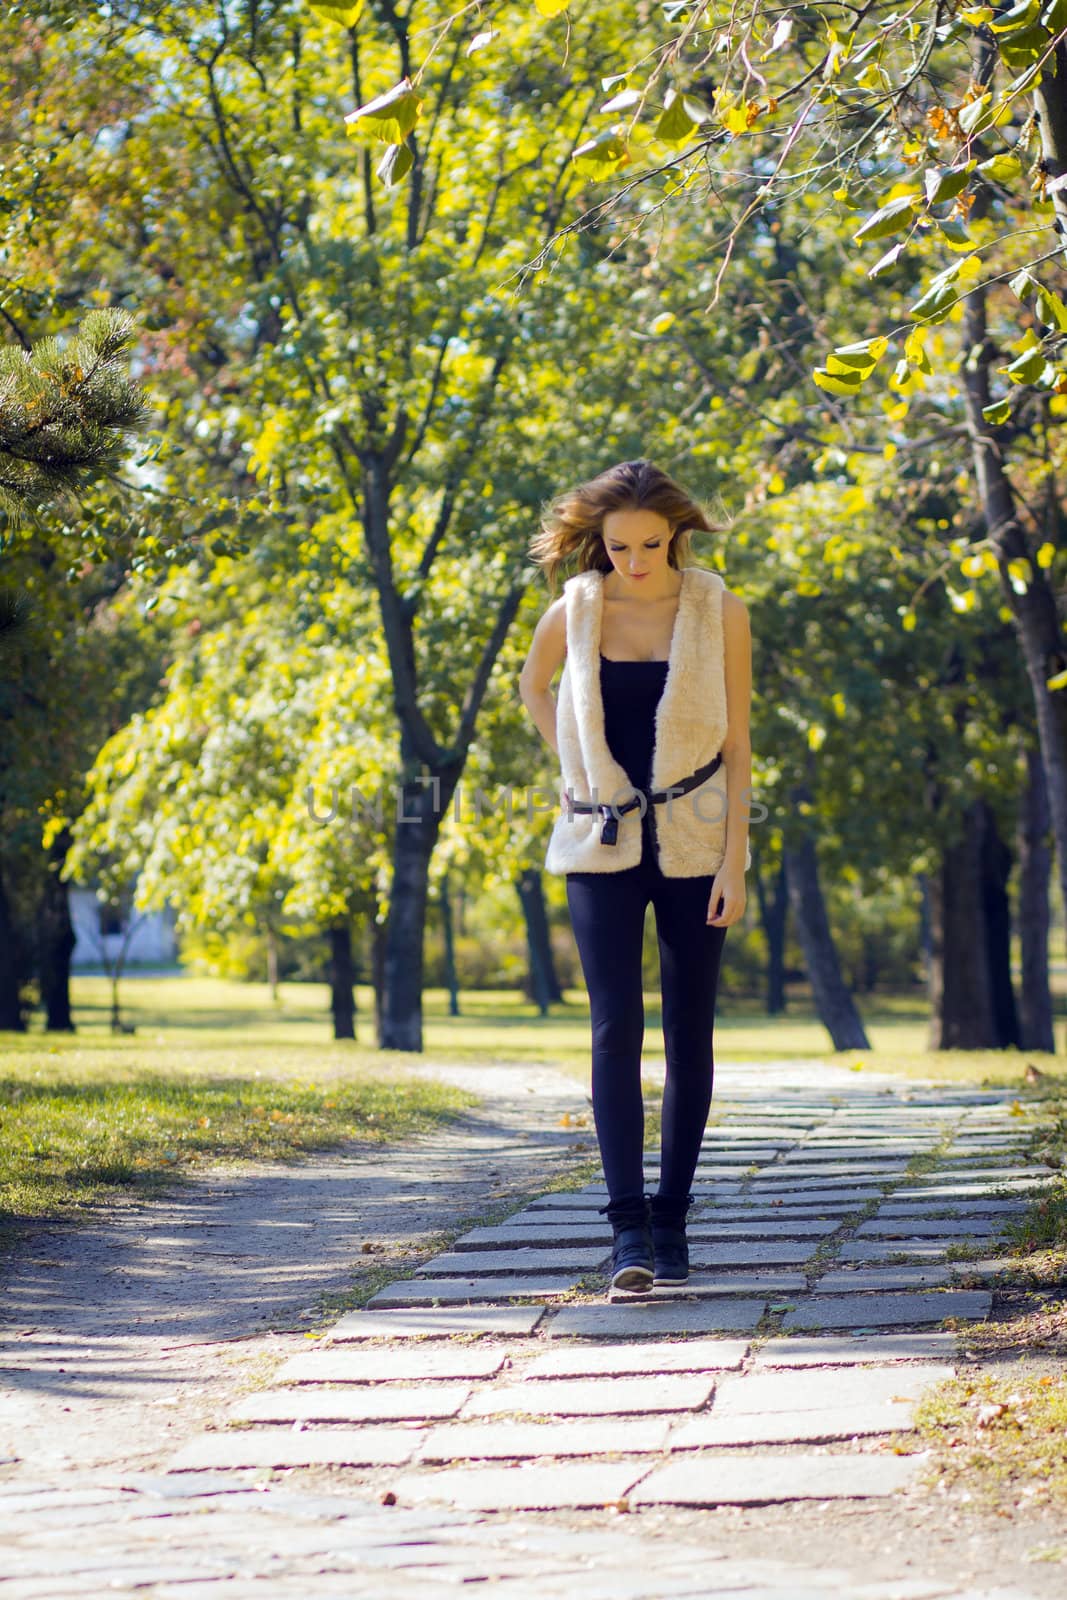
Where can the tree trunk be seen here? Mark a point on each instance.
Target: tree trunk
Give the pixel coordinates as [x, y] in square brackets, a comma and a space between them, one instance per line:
[544, 984]
[451, 981]
[833, 1001]
[1035, 871]
[342, 1000]
[961, 984]
[1034, 611]
[272, 963]
[55, 940]
[421, 803]
[377, 974]
[773, 915]
[926, 944]
[995, 864]
[11, 1017]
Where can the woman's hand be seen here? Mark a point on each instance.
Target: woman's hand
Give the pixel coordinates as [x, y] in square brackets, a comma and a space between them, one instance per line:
[728, 887]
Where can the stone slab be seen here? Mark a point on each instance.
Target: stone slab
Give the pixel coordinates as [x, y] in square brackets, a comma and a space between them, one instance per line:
[765, 1393]
[814, 1178]
[313, 1447]
[988, 1207]
[422, 1322]
[565, 1484]
[842, 1200]
[593, 1397]
[354, 1403]
[885, 1310]
[840, 1350]
[648, 1316]
[941, 1192]
[881, 1250]
[770, 1225]
[541, 1231]
[499, 1440]
[719, 1281]
[841, 1176]
[916, 1228]
[685, 1355]
[424, 1291]
[465, 1263]
[746, 1253]
[327, 1365]
[794, 1427]
[919, 1277]
[718, 1479]
[761, 1224]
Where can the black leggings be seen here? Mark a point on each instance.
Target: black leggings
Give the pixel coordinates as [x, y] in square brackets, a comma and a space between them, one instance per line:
[608, 916]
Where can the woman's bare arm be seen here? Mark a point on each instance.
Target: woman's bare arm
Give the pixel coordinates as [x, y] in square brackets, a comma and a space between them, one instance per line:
[548, 649]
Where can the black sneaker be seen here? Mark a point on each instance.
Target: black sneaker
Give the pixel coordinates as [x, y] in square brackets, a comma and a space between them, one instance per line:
[670, 1252]
[670, 1247]
[632, 1256]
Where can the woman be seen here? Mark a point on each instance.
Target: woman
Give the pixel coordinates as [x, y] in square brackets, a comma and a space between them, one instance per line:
[652, 731]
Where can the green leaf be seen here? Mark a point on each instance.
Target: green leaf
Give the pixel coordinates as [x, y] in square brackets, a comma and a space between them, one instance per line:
[395, 164]
[1026, 368]
[600, 157]
[998, 412]
[390, 116]
[675, 124]
[1023, 48]
[890, 218]
[936, 303]
[947, 183]
[838, 383]
[891, 256]
[860, 366]
[1001, 169]
[955, 234]
[1054, 16]
[1018, 16]
[977, 114]
[1051, 309]
[622, 101]
[346, 15]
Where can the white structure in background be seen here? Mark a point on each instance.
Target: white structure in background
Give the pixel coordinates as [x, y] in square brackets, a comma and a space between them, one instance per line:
[100, 928]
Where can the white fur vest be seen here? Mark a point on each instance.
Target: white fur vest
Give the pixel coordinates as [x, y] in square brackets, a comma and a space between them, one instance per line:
[690, 726]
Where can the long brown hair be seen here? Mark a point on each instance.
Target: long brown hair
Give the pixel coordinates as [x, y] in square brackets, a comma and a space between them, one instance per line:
[572, 523]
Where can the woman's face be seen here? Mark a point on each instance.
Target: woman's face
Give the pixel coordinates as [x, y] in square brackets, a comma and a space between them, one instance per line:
[638, 544]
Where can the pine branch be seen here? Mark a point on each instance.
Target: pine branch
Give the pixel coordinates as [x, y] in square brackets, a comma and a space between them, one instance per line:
[67, 412]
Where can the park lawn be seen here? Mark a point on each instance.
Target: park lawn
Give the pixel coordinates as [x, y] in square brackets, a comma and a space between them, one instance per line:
[503, 1026]
[85, 1115]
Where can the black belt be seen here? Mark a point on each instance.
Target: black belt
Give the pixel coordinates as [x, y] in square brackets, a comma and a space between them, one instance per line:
[609, 831]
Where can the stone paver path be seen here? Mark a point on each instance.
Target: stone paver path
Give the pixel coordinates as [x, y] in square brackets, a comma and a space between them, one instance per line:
[500, 1378]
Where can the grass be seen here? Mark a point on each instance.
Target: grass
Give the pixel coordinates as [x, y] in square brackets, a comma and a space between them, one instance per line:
[84, 1116]
[1001, 1439]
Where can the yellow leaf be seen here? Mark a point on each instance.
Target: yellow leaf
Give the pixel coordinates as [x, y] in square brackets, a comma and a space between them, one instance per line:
[551, 8]
[1046, 554]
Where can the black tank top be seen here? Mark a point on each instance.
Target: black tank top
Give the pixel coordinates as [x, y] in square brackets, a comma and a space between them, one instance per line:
[631, 692]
